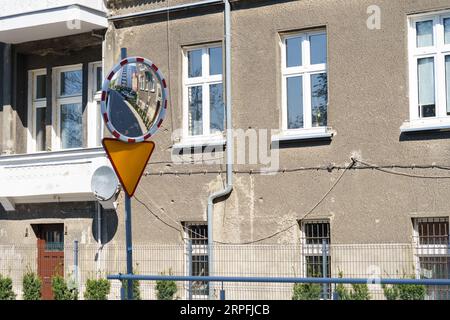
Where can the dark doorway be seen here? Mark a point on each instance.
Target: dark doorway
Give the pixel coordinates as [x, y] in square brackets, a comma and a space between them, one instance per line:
[50, 255]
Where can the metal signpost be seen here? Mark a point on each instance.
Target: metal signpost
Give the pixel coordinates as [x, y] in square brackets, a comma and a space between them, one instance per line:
[133, 107]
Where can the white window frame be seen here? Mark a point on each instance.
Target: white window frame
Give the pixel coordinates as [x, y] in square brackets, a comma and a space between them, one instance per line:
[205, 80]
[33, 103]
[438, 51]
[58, 101]
[305, 71]
[94, 115]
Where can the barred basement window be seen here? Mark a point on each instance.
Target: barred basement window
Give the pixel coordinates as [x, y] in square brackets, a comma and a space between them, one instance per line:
[432, 231]
[197, 258]
[315, 235]
[432, 253]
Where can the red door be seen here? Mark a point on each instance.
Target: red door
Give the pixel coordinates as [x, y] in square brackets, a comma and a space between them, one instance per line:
[50, 256]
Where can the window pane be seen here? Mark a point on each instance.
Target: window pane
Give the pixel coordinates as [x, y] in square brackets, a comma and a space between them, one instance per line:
[293, 52]
[71, 83]
[195, 63]
[295, 102]
[71, 126]
[195, 111]
[447, 30]
[41, 86]
[99, 132]
[98, 76]
[447, 77]
[215, 61]
[216, 107]
[318, 48]
[427, 107]
[319, 99]
[424, 33]
[40, 129]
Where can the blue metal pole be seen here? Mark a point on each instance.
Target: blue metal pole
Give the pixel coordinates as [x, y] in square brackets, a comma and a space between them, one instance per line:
[190, 267]
[324, 268]
[128, 236]
[75, 261]
[222, 293]
[430, 282]
[129, 246]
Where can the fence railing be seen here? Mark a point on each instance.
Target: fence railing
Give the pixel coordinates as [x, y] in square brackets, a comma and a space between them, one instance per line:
[279, 261]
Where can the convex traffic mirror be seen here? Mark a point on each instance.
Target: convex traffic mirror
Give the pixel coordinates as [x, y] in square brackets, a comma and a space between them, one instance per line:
[134, 99]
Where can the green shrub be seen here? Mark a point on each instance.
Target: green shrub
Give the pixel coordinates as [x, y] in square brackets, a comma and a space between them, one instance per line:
[412, 292]
[97, 289]
[31, 286]
[136, 289]
[6, 289]
[61, 291]
[359, 292]
[307, 291]
[405, 292]
[166, 289]
[342, 292]
[390, 292]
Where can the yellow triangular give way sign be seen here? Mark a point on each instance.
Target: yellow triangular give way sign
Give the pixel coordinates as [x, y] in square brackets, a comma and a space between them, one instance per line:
[128, 160]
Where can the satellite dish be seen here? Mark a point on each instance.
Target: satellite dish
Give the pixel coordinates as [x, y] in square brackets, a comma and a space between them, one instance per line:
[104, 183]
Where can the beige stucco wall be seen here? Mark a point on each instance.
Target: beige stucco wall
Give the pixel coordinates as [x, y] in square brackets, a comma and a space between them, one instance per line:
[368, 102]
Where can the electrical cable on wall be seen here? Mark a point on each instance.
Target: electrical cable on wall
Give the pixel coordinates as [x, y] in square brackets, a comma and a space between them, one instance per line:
[271, 235]
[352, 166]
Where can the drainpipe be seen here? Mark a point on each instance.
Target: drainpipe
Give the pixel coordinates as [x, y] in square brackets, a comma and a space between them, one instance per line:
[229, 186]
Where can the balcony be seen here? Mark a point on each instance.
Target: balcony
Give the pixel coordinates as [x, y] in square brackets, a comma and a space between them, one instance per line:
[49, 176]
[30, 20]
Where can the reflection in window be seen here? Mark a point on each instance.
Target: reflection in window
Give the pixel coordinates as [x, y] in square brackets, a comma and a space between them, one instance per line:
[204, 91]
[40, 129]
[54, 241]
[41, 86]
[216, 108]
[295, 102]
[319, 97]
[98, 78]
[71, 126]
[195, 63]
[318, 45]
[39, 104]
[215, 61]
[195, 111]
[71, 83]
[306, 94]
[424, 33]
[427, 107]
[293, 52]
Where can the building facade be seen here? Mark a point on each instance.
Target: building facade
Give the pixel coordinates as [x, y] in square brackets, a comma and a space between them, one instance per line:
[340, 113]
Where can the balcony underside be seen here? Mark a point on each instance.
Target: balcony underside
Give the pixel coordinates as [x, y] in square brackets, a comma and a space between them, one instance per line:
[49, 176]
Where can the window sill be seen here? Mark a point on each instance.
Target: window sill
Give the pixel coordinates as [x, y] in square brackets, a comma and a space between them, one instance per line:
[303, 134]
[204, 141]
[425, 125]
